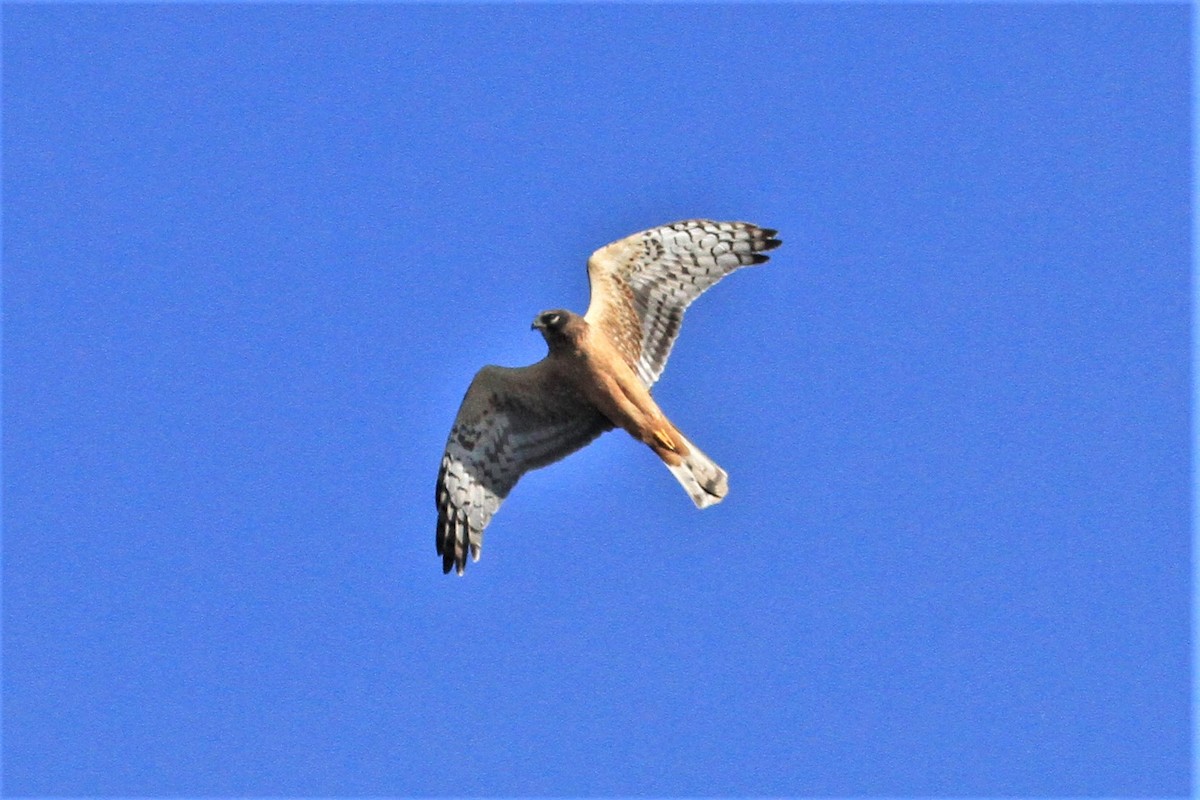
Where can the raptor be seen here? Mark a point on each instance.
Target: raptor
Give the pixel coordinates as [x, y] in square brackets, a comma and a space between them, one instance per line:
[597, 376]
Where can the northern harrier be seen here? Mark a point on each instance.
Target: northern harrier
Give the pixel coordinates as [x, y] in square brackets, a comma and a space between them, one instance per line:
[597, 376]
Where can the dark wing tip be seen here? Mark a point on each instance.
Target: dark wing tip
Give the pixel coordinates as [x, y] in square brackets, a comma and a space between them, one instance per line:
[763, 239]
[449, 545]
[766, 244]
[445, 547]
[769, 241]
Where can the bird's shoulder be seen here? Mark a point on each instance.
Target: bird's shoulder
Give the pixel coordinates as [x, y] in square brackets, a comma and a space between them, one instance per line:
[539, 389]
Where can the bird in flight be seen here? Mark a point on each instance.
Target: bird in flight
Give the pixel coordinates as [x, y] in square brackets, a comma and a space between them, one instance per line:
[596, 377]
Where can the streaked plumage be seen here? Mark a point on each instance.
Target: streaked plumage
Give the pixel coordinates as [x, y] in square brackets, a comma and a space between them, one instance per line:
[597, 376]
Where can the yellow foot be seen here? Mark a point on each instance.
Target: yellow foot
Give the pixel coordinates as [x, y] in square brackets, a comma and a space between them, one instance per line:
[664, 438]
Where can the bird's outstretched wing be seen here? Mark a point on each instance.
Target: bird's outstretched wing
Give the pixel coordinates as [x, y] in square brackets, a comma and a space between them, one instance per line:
[511, 421]
[642, 284]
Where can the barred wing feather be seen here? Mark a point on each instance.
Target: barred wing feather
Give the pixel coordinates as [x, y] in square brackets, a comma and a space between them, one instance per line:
[642, 284]
[511, 421]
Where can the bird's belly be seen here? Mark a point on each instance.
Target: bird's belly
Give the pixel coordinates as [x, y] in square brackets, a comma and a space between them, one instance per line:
[621, 397]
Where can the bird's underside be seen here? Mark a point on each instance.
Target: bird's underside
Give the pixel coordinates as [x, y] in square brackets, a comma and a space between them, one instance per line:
[597, 375]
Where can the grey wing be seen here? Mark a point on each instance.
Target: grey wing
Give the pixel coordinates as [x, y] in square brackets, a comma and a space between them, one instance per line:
[642, 284]
[511, 421]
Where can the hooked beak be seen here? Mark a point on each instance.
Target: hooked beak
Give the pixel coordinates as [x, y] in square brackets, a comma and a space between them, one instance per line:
[537, 325]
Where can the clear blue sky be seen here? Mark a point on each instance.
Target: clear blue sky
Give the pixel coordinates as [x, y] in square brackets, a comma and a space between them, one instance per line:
[254, 254]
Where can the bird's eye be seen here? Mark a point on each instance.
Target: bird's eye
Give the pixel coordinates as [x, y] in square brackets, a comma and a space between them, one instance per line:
[552, 319]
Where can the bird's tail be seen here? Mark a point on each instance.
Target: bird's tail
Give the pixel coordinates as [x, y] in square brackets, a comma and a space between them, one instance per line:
[705, 482]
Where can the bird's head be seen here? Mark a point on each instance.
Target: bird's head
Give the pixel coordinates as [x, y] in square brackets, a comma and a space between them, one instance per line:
[553, 324]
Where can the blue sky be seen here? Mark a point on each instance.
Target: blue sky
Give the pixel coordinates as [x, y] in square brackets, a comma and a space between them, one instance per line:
[254, 254]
